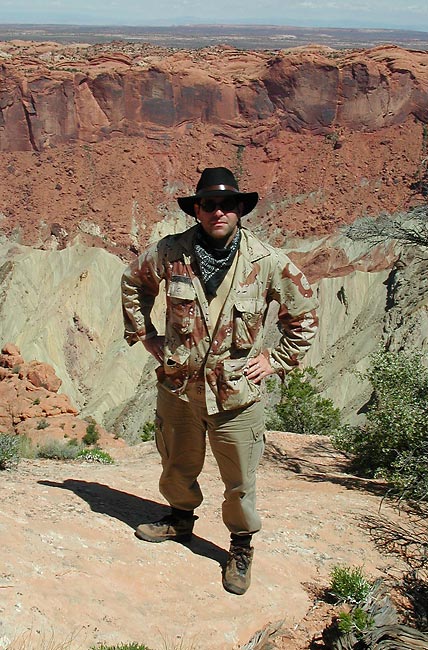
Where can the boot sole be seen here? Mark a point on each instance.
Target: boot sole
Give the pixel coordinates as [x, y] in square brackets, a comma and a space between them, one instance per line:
[232, 589]
[158, 540]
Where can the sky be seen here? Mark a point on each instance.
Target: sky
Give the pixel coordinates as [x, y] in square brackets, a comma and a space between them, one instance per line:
[385, 14]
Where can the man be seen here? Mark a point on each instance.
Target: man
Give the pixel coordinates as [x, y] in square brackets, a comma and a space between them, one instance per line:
[219, 280]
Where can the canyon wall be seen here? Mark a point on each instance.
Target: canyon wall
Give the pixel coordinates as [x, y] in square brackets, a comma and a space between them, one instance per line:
[247, 97]
[63, 308]
[97, 143]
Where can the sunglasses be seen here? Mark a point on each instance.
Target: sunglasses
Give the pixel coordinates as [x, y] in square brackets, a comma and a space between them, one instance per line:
[226, 205]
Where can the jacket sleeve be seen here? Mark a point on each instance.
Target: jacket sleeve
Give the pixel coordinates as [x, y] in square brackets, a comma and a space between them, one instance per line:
[140, 286]
[297, 314]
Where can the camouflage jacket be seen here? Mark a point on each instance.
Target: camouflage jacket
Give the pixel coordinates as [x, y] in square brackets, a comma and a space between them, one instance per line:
[195, 351]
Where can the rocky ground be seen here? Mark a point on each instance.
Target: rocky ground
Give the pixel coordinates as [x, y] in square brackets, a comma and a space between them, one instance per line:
[72, 568]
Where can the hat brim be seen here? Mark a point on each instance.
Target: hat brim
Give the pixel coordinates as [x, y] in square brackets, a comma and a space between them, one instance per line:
[248, 199]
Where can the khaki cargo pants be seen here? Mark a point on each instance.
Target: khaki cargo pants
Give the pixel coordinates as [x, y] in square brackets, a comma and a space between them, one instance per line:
[237, 442]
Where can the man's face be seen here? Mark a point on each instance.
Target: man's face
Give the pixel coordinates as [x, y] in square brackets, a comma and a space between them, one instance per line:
[219, 217]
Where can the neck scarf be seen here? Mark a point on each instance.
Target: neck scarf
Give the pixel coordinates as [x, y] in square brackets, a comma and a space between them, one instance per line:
[213, 262]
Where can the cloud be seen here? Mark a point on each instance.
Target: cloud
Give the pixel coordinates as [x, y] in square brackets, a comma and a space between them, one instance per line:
[322, 13]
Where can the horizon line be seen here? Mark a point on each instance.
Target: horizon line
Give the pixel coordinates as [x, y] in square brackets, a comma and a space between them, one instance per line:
[212, 24]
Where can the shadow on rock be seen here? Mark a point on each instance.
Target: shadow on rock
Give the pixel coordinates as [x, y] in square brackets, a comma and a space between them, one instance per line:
[350, 482]
[319, 463]
[132, 510]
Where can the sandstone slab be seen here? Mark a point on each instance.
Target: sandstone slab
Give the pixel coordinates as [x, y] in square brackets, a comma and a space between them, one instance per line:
[71, 564]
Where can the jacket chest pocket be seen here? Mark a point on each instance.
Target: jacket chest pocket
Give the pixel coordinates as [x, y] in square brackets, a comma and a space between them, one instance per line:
[247, 321]
[181, 304]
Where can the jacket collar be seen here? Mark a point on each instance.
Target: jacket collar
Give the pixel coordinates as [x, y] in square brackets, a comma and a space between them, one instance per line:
[251, 247]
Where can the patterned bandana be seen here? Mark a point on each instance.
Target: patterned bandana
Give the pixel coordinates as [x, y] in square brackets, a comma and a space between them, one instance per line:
[214, 263]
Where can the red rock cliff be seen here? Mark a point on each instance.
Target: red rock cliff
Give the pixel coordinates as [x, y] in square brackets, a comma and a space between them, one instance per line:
[63, 95]
[100, 140]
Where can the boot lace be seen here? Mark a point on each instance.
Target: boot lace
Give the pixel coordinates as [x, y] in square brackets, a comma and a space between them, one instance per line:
[242, 557]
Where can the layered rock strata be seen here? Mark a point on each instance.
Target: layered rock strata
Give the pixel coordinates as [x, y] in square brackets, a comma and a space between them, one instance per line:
[70, 317]
[65, 95]
[30, 404]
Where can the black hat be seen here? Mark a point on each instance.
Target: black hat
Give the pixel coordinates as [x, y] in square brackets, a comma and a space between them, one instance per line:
[218, 181]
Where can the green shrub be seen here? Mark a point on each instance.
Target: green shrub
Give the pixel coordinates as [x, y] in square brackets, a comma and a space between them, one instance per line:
[393, 442]
[92, 435]
[95, 456]
[409, 476]
[26, 447]
[9, 451]
[148, 431]
[42, 424]
[58, 450]
[301, 409]
[356, 621]
[349, 585]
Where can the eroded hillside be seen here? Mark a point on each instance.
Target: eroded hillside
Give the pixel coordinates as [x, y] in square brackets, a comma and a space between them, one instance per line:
[101, 139]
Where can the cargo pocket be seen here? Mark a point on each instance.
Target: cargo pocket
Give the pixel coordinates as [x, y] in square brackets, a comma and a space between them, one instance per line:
[159, 438]
[256, 450]
[247, 321]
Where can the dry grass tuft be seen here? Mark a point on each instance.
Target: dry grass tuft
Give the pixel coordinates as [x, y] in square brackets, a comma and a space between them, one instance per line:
[35, 640]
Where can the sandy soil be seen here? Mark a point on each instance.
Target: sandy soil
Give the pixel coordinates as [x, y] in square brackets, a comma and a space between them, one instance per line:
[71, 566]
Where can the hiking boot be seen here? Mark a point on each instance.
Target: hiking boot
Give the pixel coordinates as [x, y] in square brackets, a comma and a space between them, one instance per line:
[169, 527]
[237, 573]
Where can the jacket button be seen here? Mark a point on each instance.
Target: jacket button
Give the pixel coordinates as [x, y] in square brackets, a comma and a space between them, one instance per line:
[207, 339]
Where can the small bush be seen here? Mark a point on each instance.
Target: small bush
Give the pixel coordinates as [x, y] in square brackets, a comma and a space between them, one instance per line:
[42, 424]
[409, 476]
[393, 443]
[95, 456]
[57, 450]
[9, 451]
[356, 621]
[148, 431]
[349, 585]
[301, 409]
[92, 435]
[26, 447]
